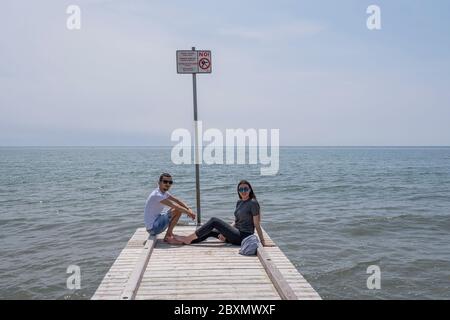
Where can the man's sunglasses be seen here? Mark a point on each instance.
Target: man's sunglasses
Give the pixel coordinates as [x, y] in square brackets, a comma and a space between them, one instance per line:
[167, 181]
[244, 189]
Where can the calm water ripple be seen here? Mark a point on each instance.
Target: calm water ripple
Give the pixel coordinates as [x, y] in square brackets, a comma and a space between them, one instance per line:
[333, 211]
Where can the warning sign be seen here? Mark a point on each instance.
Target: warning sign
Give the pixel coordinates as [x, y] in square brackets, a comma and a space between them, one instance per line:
[193, 61]
[187, 61]
[204, 61]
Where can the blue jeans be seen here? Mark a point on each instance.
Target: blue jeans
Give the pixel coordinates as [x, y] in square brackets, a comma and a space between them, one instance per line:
[161, 223]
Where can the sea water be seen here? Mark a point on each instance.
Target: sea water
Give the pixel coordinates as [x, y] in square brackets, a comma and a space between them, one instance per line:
[333, 211]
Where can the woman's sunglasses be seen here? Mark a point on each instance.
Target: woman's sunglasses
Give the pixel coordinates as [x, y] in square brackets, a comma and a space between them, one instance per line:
[244, 190]
[167, 181]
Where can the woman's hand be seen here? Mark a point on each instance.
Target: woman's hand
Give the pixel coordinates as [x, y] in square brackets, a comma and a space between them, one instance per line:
[221, 238]
[266, 244]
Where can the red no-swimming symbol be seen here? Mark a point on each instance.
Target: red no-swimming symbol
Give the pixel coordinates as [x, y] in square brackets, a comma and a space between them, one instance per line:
[204, 63]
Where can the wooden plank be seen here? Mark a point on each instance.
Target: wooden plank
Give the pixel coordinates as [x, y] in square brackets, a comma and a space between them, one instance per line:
[210, 270]
[208, 296]
[175, 278]
[282, 286]
[188, 273]
[205, 267]
[152, 281]
[119, 272]
[132, 285]
[189, 287]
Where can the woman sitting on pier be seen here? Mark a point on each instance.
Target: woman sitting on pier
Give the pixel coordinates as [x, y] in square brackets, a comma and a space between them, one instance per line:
[247, 218]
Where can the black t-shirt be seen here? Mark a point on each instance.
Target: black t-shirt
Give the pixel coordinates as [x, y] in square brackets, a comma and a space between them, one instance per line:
[245, 210]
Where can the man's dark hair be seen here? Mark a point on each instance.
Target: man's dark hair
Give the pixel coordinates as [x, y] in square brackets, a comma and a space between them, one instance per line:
[167, 175]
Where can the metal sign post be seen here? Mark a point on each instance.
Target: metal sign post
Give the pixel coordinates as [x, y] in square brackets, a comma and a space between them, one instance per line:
[197, 164]
[192, 61]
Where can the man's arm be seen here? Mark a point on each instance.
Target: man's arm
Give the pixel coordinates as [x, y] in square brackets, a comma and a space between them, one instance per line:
[178, 201]
[177, 206]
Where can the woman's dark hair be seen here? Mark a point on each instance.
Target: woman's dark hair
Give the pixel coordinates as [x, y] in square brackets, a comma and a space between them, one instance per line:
[252, 194]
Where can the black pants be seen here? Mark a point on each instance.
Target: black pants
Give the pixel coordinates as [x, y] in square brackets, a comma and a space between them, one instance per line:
[215, 226]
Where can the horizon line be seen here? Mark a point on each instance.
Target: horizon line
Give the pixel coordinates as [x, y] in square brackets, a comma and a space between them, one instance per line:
[169, 146]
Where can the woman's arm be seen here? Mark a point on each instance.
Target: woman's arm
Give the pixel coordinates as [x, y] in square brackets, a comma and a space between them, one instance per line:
[257, 223]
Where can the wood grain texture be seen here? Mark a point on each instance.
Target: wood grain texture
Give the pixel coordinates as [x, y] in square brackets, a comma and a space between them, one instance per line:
[206, 271]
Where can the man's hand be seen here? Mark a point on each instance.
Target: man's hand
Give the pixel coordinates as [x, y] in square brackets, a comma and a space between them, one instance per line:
[221, 237]
[191, 214]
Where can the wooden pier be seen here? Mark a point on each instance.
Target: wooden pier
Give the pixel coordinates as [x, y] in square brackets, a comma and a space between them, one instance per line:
[149, 268]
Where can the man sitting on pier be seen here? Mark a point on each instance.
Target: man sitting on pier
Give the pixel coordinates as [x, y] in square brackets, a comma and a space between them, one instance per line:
[156, 219]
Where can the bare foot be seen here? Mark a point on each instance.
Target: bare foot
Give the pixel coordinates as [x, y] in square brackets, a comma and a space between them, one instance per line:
[172, 240]
[184, 239]
[179, 238]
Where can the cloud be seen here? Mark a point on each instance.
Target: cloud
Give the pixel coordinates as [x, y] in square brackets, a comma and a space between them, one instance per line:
[296, 29]
[115, 82]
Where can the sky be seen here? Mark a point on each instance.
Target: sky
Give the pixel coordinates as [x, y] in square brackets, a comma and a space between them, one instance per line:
[311, 69]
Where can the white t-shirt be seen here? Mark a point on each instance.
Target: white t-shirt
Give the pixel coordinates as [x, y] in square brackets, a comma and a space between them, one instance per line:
[154, 207]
